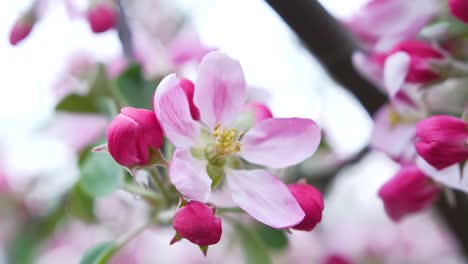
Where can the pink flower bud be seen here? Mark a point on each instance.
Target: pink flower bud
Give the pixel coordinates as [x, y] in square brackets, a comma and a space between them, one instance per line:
[442, 140]
[20, 30]
[311, 202]
[409, 191]
[459, 9]
[197, 223]
[336, 259]
[189, 89]
[101, 17]
[133, 135]
[260, 111]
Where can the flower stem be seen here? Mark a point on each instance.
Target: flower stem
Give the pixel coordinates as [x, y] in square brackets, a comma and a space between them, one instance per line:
[128, 237]
[143, 192]
[154, 174]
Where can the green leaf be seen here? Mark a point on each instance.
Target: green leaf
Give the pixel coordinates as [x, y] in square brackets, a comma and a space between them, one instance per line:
[255, 251]
[100, 175]
[136, 91]
[100, 90]
[81, 205]
[77, 103]
[99, 254]
[275, 239]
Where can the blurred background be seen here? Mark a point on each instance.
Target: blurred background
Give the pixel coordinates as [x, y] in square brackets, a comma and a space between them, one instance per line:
[38, 146]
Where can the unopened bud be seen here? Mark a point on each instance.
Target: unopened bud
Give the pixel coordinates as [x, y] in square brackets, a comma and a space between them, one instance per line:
[101, 17]
[409, 191]
[197, 223]
[311, 202]
[134, 136]
[442, 140]
[459, 9]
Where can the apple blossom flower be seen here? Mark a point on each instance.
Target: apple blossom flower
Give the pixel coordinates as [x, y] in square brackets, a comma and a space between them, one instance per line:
[187, 47]
[133, 136]
[213, 144]
[459, 9]
[442, 140]
[311, 201]
[80, 70]
[69, 127]
[393, 134]
[408, 61]
[101, 17]
[380, 24]
[409, 191]
[197, 223]
[21, 29]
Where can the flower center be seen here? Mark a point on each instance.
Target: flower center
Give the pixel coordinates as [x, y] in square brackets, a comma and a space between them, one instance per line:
[226, 141]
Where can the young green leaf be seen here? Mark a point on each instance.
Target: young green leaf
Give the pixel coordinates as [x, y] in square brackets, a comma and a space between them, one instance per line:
[100, 175]
[136, 91]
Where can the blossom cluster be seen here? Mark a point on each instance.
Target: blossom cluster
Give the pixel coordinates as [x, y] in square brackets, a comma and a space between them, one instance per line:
[411, 56]
[204, 121]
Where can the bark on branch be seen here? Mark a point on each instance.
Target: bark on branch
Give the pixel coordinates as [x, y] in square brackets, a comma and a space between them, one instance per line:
[331, 44]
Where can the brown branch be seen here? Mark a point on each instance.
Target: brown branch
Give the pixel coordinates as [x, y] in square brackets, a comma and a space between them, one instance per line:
[331, 44]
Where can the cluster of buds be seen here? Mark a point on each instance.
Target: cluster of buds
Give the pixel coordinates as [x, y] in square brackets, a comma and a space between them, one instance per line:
[101, 16]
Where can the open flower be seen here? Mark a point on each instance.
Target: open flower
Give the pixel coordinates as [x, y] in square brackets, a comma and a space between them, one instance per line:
[380, 24]
[208, 150]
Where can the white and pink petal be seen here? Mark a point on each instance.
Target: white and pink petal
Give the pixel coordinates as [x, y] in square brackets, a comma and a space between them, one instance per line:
[280, 142]
[189, 176]
[396, 69]
[264, 197]
[173, 112]
[220, 89]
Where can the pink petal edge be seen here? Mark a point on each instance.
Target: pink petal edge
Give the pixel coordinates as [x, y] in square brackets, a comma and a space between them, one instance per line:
[280, 142]
[264, 197]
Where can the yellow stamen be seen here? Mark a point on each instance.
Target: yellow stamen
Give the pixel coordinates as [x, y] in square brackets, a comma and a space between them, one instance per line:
[226, 140]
